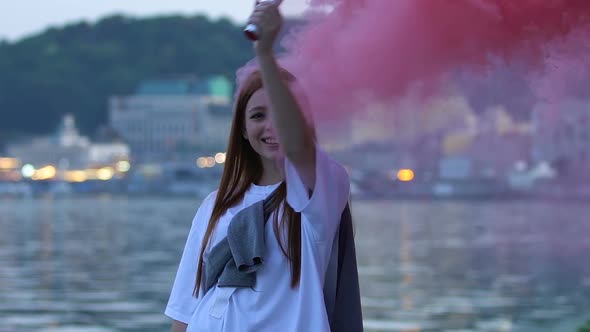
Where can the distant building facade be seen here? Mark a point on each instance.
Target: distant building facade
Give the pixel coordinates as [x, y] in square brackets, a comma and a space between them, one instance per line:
[173, 119]
[67, 149]
[561, 135]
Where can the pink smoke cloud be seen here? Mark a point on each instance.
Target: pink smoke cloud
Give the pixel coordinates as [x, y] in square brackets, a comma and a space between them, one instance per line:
[383, 47]
[567, 70]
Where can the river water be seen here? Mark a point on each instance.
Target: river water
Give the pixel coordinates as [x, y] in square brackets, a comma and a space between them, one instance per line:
[106, 263]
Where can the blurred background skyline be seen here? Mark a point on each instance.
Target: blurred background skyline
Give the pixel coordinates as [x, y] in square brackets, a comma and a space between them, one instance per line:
[153, 96]
[27, 17]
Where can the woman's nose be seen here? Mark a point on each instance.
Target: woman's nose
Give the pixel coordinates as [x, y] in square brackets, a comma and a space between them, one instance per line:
[268, 127]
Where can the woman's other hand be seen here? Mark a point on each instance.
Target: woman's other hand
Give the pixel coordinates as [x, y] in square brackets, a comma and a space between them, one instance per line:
[268, 19]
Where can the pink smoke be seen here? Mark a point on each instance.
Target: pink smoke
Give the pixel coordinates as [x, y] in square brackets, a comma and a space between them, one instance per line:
[383, 47]
[567, 70]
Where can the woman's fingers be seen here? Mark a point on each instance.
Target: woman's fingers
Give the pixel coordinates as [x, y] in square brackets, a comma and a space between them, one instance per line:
[267, 18]
[265, 7]
[262, 15]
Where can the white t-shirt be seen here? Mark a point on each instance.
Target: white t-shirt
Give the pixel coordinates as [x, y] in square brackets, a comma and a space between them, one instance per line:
[272, 305]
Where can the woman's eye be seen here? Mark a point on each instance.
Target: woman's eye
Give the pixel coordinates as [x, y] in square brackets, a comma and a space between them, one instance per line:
[257, 116]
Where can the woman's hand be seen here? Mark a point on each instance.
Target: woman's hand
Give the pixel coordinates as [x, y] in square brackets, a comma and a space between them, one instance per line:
[267, 17]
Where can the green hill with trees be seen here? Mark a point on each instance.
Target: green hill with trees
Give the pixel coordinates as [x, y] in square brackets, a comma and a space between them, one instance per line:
[76, 68]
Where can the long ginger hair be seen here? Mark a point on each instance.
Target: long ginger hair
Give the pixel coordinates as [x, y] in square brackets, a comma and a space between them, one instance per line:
[243, 167]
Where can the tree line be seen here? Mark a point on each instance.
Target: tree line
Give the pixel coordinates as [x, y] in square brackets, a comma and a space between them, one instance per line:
[75, 68]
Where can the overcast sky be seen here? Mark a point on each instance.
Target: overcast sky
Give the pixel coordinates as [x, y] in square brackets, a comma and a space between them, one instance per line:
[19, 18]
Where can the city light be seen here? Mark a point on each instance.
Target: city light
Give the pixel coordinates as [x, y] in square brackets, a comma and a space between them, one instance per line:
[202, 162]
[9, 163]
[28, 170]
[75, 176]
[405, 175]
[91, 174]
[44, 173]
[105, 173]
[123, 166]
[220, 158]
[210, 161]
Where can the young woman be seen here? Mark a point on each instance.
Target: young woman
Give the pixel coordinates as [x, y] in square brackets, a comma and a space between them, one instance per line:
[271, 146]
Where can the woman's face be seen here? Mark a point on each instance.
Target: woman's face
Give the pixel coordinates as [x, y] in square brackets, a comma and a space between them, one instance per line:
[259, 130]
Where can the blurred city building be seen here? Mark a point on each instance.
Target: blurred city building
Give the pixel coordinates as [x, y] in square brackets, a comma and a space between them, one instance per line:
[561, 136]
[67, 149]
[174, 119]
